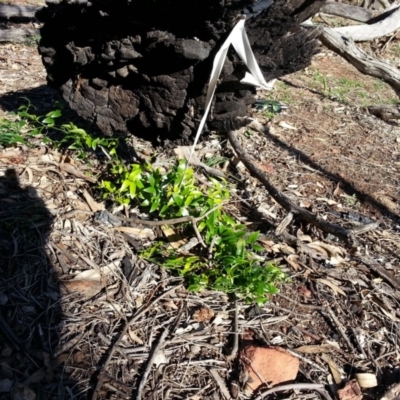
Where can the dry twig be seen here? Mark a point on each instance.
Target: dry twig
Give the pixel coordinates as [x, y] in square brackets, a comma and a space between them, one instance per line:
[284, 201]
[222, 387]
[235, 345]
[150, 363]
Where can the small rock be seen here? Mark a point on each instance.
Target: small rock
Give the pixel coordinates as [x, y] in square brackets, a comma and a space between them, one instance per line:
[351, 391]
[272, 364]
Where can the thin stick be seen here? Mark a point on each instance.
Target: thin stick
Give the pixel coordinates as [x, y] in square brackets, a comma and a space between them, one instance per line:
[339, 327]
[309, 306]
[173, 221]
[235, 345]
[122, 334]
[150, 364]
[306, 360]
[199, 238]
[382, 272]
[210, 249]
[283, 200]
[297, 386]
[222, 387]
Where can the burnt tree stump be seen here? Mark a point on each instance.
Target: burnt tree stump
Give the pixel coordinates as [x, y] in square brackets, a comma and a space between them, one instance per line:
[142, 66]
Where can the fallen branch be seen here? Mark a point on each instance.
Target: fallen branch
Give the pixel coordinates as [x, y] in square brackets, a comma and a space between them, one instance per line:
[17, 35]
[366, 64]
[150, 364]
[221, 384]
[360, 33]
[18, 11]
[284, 201]
[347, 11]
[385, 112]
[382, 272]
[235, 345]
[339, 327]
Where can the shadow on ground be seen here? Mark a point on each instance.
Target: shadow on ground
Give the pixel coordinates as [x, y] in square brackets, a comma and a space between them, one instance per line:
[31, 365]
[347, 186]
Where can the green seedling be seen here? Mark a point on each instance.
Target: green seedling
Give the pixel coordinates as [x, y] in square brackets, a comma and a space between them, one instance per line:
[71, 136]
[11, 132]
[234, 265]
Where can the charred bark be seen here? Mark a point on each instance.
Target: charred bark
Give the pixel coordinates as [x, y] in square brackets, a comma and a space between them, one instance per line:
[142, 66]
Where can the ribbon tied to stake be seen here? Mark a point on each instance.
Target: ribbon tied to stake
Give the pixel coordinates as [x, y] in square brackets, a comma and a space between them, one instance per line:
[240, 42]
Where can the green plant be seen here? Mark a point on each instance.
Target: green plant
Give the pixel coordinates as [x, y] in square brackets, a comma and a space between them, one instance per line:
[32, 41]
[234, 266]
[269, 114]
[10, 132]
[351, 201]
[216, 160]
[320, 80]
[71, 136]
[231, 262]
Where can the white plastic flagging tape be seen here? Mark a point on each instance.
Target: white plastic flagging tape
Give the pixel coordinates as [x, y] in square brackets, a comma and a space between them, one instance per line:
[240, 42]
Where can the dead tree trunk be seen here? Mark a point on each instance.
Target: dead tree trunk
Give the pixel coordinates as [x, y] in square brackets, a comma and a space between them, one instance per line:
[17, 34]
[18, 11]
[142, 66]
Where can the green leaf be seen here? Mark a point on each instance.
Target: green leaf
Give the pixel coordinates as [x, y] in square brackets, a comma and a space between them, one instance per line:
[35, 132]
[155, 206]
[132, 189]
[183, 211]
[125, 184]
[54, 114]
[252, 238]
[48, 121]
[188, 201]
[257, 247]
[178, 199]
[94, 144]
[151, 190]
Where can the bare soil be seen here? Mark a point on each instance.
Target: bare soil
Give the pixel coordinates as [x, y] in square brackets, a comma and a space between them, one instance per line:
[69, 283]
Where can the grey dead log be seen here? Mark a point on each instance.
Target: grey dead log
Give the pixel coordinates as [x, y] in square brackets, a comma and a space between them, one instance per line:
[385, 112]
[348, 11]
[365, 63]
[360, 33]
[18, 11]
[17, 35]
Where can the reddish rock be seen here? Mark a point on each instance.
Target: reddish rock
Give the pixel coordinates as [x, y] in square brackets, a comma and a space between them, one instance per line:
[271, 365]
[351, 391]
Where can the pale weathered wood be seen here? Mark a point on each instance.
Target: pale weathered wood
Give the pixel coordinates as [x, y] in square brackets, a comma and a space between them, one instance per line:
[17, 35]
[18, 11]
[384, 27]
[366, 64]
[385, 112]
[347, 11]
